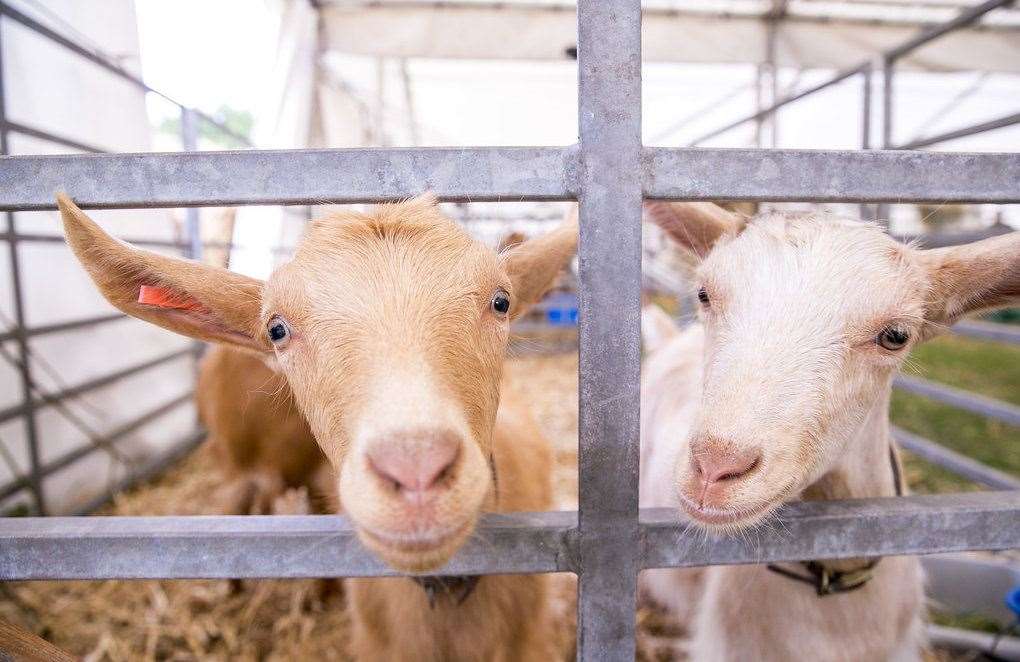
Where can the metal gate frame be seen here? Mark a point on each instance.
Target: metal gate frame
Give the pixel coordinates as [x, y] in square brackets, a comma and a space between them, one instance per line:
[35, 398]
[608, 541]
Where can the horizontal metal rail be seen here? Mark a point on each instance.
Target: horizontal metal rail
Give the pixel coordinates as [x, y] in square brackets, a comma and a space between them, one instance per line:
[959, 464]
[60, 327]
[326, 546]
[286, 177]
[113, 68]
[39, 134]
[92, 384]
[818, 176]
[496, 173]
[146, 243]
[1005, 333]
[841, 529]
[978, 404]
[106, 441]
[974, 129]
[785, 101]
[961, 20]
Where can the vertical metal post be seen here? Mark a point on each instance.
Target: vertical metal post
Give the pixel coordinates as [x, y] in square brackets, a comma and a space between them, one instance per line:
[31, 428]
[866, 211]
[609, 195]
[888, 68]
[192, 221]
[189, 141]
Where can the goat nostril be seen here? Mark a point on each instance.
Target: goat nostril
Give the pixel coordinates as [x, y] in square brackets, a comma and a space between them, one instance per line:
[718, 467]
[416, 463]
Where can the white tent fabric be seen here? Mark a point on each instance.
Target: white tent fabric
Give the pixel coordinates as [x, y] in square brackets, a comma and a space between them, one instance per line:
[808, 36]
[49, 88]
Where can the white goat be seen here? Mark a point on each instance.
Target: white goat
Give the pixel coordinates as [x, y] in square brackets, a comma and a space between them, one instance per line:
[782, 394]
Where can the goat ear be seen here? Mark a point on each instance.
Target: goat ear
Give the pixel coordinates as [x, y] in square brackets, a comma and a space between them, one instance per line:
[657, 328]
[534, 264]
[695, 226]
[193, 299]
[972, 277]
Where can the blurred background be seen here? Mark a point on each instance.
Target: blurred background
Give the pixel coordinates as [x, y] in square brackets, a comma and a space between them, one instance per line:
[92, 403]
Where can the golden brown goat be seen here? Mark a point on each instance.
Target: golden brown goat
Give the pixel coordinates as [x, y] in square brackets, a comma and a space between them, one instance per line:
[391, 329]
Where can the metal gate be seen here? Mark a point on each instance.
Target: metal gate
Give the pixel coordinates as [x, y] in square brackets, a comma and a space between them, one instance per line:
[609, 172]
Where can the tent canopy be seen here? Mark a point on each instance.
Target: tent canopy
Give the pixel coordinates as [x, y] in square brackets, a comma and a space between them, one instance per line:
[809, 33]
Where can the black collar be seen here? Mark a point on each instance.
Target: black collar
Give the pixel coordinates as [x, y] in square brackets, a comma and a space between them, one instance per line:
[830, 582]
[459, 587]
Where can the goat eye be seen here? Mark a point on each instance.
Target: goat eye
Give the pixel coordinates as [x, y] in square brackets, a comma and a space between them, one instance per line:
[703, 296]
[893, 338]
[501, 302]
[278, 330]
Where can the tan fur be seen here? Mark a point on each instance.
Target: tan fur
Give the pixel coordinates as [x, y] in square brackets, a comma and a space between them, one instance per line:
[505, 617]
[392, 337]
[255, 430]
[793, 373]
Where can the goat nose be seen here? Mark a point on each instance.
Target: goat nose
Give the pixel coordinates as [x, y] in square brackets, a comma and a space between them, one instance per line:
[717, 465]
[415, 461]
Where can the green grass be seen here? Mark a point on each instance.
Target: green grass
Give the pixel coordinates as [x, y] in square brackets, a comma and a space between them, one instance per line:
[991, 369]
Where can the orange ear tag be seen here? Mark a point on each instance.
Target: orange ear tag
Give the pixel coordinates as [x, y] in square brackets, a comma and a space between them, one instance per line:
[164, 297]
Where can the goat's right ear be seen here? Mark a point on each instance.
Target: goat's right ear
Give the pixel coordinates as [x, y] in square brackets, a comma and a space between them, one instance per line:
[204, 302]
[695, 226]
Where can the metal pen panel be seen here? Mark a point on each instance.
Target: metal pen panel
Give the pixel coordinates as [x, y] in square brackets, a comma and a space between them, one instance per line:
[959, 464]
[286, 177]
[844, 529]
[972, 402]
[830, 176]
[219, 547]
[258, 546]
[988, 331]
[609, 196]
[27, 406]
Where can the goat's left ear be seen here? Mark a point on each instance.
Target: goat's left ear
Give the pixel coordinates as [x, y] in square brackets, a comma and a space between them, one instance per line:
[193, 299]
[972, 277]
[534, 264]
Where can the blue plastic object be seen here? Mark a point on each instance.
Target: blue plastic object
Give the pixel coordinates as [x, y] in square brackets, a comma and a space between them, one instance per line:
[1013, 600]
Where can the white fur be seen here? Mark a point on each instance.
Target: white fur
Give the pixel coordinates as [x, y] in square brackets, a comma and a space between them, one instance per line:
[786, 364]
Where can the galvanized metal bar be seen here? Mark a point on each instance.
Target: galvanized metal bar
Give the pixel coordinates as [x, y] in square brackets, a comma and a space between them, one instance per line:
[962, 20]
[866, 76]
[983, 127]
[259, 546]
[326, 546]
[62, 326]
[106, 441]
[85, 387]
[189, 141]
[988, 331]
[769, 110]
[978, 404]
[609, 195]
[147, 243]
[64, 141]
[290, 177]
[308, 176]
[843, 529]
[817, 175]
[27, 21]
[27, 406]
[957, 463]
